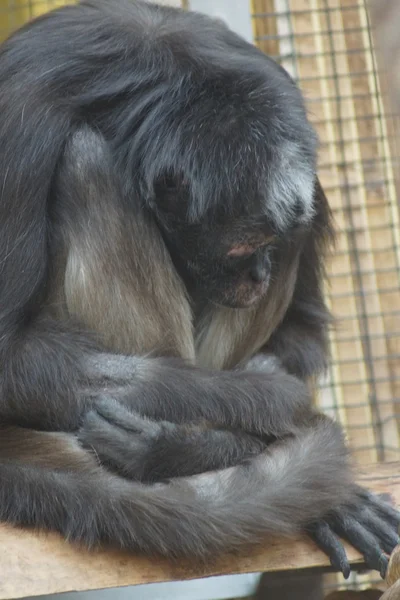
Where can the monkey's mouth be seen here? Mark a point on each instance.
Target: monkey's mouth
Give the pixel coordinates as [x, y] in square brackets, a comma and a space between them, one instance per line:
[248, 295]
[244, 296]
[248, 303]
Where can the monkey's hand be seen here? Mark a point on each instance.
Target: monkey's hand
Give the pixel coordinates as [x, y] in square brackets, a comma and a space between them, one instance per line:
[141, 449]
[370, 525]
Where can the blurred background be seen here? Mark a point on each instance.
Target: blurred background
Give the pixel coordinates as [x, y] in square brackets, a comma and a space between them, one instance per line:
[329, 47]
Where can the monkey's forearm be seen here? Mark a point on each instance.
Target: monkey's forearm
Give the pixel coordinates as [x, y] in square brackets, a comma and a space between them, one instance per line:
[55, 376]
[166, 389]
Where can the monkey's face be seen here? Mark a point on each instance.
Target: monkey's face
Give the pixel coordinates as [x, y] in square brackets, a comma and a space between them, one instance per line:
[234, 167]
[228, 263]
[239, 282]
[233, 270]
[224, 258]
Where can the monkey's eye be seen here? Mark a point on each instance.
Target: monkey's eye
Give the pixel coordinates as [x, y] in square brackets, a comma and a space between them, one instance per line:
[165, 185]
[169, 184]
[168, 194]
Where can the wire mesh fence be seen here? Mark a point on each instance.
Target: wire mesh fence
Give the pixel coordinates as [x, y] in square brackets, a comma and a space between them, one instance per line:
[327, 46]
[14, 13]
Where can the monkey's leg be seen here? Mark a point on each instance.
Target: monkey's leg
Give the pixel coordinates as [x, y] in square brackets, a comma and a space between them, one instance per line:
[198, 516]
[370, 525]
[366, 522]
[146, 450]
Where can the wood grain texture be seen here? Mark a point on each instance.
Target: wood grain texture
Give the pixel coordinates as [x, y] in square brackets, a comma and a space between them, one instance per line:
[32, 563]
[386, 21]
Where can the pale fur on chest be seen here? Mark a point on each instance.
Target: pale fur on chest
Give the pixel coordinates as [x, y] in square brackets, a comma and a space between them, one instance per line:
[226, 338]
[223, 339]
[140, 307]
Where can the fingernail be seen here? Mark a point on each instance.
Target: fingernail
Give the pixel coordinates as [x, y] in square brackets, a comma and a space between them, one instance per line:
[346, 571]
[383, 561]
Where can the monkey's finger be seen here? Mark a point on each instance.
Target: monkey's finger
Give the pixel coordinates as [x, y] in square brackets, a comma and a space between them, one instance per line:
[362, 540]
[383, 507]
[380, 528]
[329, 543]
[386, 498]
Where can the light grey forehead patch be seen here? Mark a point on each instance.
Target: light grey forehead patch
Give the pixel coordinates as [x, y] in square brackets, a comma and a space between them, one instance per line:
[290, 183]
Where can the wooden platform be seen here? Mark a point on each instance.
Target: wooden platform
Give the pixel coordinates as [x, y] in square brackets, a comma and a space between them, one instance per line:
[34, 564]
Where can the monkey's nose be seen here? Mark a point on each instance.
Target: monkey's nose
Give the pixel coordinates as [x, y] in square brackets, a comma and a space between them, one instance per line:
[258, 274]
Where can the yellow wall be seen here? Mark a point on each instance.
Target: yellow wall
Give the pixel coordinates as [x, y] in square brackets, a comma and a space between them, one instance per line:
[14, 13]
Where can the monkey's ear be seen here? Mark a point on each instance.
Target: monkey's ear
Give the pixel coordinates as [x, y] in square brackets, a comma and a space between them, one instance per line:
[323, 221]
[318, 189]
[320, 198]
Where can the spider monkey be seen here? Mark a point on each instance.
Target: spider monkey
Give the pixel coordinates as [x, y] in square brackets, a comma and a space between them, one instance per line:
[162, 243]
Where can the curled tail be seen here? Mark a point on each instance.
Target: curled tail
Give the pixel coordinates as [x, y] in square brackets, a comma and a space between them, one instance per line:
[278, 492]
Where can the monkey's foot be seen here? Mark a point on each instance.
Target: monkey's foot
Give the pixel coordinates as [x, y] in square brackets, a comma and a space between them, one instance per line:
[370, 525]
